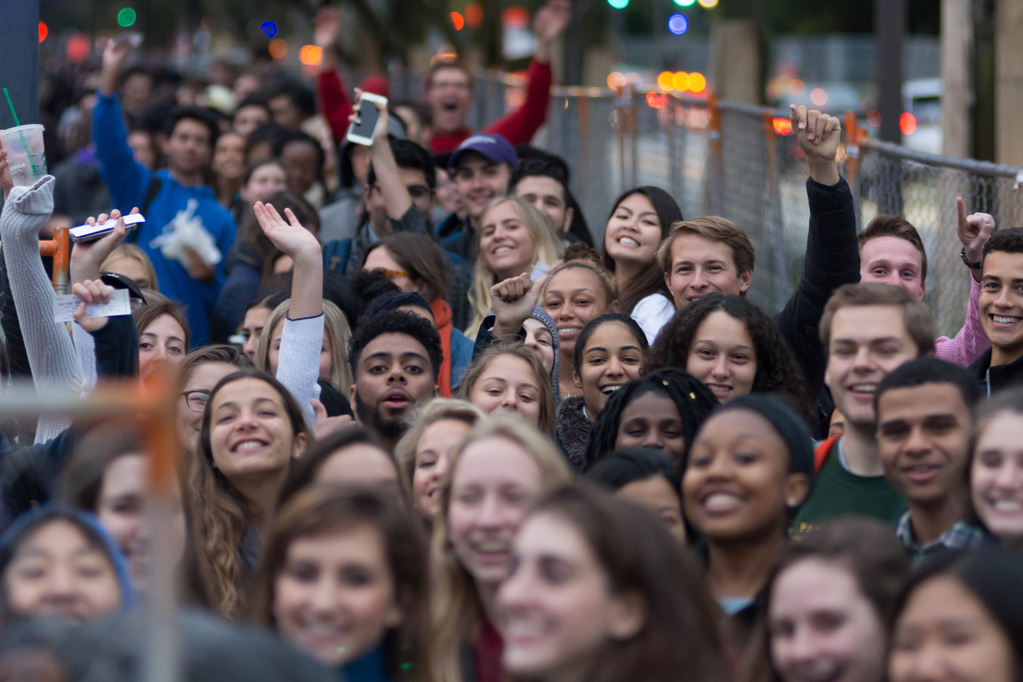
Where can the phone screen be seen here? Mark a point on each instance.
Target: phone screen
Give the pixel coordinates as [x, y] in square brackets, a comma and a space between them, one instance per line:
[368, 117]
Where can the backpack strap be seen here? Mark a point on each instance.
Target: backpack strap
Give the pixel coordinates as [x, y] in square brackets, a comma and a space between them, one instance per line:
[155, 185]
[821, 452]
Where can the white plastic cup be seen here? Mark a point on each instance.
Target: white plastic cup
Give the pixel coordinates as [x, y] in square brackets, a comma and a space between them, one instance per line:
[25, 153]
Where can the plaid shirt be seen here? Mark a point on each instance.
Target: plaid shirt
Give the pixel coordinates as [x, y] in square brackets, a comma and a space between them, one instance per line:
[960, 536]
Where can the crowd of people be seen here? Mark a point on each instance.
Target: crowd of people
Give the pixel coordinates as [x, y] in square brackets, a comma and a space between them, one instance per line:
[430, 431]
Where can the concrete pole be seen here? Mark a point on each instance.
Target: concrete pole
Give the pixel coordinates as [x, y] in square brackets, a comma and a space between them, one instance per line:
[1008, 81]
[956, 74]
[19, 60]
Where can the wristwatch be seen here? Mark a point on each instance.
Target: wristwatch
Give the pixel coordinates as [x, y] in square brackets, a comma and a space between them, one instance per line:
[972, 266]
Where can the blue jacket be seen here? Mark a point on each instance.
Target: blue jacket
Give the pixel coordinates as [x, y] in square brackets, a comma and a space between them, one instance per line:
[129, 183]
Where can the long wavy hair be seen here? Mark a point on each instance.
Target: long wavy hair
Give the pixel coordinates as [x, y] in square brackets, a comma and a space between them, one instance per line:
[222, 515]
[546, 249]
[640, 559]
[777, 368]
[456, 607]
[335, 324]
[328, 508]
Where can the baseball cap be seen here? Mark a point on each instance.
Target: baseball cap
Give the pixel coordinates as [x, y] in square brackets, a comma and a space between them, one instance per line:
[493, 147]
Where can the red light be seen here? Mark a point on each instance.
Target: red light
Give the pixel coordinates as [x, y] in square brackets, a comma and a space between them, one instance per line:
[44, 31]
[473, 15]
[78, 47]
[907, 123]
[458, 21]
[782, 126]
[657, 100]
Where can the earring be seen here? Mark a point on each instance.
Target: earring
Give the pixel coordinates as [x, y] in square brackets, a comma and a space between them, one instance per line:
[792, 502]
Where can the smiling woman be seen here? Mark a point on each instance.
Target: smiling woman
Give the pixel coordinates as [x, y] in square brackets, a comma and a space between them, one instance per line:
[493, 478]
[251, 430]
[513, 236]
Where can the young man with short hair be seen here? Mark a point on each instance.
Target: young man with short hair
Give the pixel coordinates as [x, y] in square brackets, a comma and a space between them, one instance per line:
[480, 169]
[543, 182]
[891, 252]
[167, 198]
[713, 254]
[924, 417]
[396, 358]
[1001, 312]
[868, 331]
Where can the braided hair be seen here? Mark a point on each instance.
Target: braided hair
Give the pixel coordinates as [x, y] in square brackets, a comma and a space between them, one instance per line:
[693, 400]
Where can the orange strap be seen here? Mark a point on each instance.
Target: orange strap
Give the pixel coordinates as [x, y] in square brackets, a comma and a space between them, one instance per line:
[820, 453]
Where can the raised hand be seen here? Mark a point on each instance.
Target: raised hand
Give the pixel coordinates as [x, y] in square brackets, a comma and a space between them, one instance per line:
[551, 20]
[290, 237]
[91, 291]
[326, 27]
[513, 301]
[818, 135]
[973, 230]
[117, 51]
[383, 124]
[87, 257]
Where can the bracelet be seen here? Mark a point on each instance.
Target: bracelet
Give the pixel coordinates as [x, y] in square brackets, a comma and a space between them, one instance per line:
[972, 266]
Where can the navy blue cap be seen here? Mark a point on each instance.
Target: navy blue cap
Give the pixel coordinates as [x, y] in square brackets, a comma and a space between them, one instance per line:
[493, 147]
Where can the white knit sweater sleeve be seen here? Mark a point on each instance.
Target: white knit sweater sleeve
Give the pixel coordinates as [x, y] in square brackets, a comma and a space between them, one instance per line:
[298, 362]
[51, 354]
[85, 346]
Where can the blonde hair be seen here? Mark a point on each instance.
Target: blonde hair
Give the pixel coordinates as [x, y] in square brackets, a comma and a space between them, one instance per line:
[456, 606]
[546, 249]
[134, 252]
[548, 420]
[335, 325]
[425, 416]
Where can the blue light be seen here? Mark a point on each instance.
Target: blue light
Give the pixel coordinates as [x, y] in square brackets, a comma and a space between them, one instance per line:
[678, 24]
[268, 28]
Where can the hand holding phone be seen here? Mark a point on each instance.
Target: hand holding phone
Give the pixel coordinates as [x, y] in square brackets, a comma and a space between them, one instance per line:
[364, 131]
[90, 233]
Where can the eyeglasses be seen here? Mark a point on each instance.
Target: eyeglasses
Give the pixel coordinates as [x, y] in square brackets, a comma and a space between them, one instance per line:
[390, 273]
[196, 400]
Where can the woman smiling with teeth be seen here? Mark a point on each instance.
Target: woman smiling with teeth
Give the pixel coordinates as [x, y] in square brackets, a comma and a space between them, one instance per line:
[494, 477]
[639, 222]
[996, 469]
[512, 238]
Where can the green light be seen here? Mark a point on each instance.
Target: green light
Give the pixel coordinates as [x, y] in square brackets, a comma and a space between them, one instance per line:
[685, 3]
[126, 17]
[618, 4]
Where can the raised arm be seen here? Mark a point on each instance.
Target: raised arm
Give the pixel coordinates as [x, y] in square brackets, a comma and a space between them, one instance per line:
[971, 340]
[127, 179]
[519, 126]
[48, 346]
[832, 254]
[298, 361]
[334, 103]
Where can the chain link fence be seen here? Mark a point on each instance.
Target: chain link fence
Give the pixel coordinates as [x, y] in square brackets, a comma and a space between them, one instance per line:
[741, 162]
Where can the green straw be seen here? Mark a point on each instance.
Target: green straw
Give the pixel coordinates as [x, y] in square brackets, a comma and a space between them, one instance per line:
[21, 134]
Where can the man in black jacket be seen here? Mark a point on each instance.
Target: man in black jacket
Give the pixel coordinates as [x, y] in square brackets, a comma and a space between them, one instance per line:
[715, 255]
[1001, 312]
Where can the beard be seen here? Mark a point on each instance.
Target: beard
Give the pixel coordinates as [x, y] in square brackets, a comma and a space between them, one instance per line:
[389, 429]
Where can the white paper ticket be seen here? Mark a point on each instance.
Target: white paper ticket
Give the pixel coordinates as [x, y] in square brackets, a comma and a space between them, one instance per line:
[64, 306]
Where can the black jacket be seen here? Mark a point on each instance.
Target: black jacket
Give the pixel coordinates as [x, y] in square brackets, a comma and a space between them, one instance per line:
[832, 259]
[994, 379]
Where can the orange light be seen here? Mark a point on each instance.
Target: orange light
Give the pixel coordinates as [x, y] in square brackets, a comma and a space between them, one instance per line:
[78, 48]
[44, 31]
[664, 80]
[515, 17]
[797, 87]
[907, 123]
[874, 118]
[615, 80]
[819, 97]
[680, 81]
[657, 100]
[278, 48]
[310, 55]
[473, 15]
[782, 126]
[458, 21]
[697, 82]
